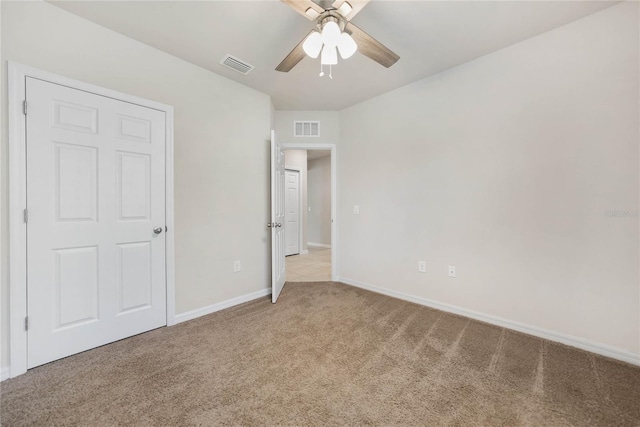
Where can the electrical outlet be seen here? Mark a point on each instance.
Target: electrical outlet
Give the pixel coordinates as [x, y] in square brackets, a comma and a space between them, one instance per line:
[356, 210]
[422, 266]
[309, 208]
[452, 271]
[236, 266]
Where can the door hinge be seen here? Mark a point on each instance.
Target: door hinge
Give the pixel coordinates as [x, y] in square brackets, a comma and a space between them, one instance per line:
[24, 107]
[26, 323]
[25, 214]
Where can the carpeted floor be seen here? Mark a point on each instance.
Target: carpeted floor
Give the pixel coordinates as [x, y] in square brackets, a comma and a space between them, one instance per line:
[327, 354]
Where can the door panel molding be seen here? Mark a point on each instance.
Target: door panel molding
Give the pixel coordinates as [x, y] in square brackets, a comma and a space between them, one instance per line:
[17, 75]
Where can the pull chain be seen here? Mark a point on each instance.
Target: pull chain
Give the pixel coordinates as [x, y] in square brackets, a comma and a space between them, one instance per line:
[330, 76]
[321, 71]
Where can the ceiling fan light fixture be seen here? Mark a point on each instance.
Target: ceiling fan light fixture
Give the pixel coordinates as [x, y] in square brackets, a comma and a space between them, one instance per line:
[332, 18]
[347, 46]
[330, 34]
[313, 44]
[329, 55]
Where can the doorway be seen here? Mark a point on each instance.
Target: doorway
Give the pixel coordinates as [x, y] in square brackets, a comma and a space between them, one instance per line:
[313, 262]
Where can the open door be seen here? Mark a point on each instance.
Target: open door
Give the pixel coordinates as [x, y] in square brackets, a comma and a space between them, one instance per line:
[277, 219]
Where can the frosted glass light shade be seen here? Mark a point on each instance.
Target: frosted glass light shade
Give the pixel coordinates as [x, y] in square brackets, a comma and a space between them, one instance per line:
[331, 34]
[347, 46]
[329, 55]
[313, 44]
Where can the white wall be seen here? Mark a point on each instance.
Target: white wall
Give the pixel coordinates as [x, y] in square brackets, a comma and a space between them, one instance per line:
[319, 200]
[505, 167]
[4, 242]
[221, 147]
[272, 115]
[297, 159]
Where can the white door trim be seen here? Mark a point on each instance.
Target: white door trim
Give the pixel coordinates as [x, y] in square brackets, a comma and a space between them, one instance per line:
[334, 194]
[300, 212]
[17, 74]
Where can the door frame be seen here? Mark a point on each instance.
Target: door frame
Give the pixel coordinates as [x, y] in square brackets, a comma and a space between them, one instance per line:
[300, 222]
[334, 194]
[17, 74]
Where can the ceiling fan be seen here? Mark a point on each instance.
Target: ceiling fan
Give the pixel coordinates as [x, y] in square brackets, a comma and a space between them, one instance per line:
[334, 33]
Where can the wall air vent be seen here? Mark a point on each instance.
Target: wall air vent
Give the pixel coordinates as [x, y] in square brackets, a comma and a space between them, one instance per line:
[237, 64]
[306, 128]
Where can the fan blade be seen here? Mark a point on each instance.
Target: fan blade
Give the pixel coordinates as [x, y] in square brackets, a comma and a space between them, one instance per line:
[355, 6]
[372, 48]
[302, 6]
[295, 56]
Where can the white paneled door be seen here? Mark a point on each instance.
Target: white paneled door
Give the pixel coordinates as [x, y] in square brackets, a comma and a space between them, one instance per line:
[292, 212]
[96, 220]
[278, 275]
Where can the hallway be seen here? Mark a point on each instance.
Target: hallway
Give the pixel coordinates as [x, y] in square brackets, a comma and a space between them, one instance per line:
[313, 267]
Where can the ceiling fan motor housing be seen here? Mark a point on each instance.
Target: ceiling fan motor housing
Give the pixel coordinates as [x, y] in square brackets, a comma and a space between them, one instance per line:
[331, 15]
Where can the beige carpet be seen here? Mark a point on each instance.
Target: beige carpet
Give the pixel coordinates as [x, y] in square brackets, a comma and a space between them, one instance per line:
[327, 354]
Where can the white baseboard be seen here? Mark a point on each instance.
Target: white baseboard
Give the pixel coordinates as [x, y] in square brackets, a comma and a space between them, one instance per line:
[193, 314]
[581, 343]
[5, 373]
[318, 245]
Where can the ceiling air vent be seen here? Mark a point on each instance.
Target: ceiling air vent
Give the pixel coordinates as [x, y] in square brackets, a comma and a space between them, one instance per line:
[239, 65]
[306, 128]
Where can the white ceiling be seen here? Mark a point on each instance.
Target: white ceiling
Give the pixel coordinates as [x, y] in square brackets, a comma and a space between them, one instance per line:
[429, 36]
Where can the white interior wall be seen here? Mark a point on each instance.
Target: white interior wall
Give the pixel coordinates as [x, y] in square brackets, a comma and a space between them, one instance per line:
[272, 115]
[319, 200]
[221, 147]
[505, 167]
[4, 243]
[297, 159]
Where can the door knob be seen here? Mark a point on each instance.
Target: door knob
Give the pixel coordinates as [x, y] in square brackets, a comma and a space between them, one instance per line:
[157, 230]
